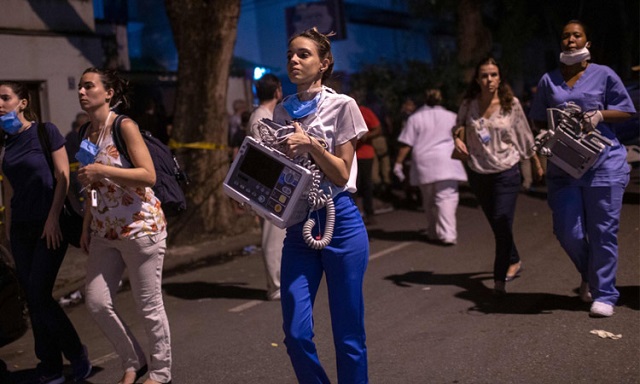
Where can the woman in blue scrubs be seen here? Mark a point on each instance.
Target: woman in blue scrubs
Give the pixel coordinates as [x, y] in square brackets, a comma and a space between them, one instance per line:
[327, 126]
[586, 211]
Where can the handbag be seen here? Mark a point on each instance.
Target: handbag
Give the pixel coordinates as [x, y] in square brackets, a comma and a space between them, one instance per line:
[71, 224]
[70, 220]
[13, 322]
[457, 155]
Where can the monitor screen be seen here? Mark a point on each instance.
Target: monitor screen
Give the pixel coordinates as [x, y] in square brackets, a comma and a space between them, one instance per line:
[261, 167]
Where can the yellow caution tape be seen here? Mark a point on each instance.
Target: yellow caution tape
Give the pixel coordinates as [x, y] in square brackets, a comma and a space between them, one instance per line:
[197, 145]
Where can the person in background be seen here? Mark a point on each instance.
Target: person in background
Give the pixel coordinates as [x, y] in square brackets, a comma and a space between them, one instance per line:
[411, 194]
[427, 135]
[365, 154]
[327, 126]
[381, 169]
[124, 228]
[72, 145]
[152, 119]
[269, 92]
[37, 245]
[236, 128]
[492, 130]
[586, 211]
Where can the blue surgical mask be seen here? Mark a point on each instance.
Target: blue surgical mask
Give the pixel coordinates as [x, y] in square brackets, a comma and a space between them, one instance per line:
[87, 153]
[10, 123]
[299, 109]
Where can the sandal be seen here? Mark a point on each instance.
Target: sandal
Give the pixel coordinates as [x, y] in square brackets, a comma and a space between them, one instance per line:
[139, 373]
[514, 271]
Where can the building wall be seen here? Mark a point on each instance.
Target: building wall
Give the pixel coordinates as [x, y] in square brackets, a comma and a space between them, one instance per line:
[262, 36]
[47, 15]
[50, 42]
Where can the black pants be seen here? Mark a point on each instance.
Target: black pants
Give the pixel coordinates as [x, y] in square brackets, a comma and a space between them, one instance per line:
[364, 183]
[37, 268]
[497, 194]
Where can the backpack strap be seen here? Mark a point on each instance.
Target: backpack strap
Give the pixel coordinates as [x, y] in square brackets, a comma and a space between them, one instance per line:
[82, 132]
[116, 133]
[45, 143]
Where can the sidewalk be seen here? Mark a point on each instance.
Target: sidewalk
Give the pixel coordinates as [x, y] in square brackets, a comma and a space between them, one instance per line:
[72, 272]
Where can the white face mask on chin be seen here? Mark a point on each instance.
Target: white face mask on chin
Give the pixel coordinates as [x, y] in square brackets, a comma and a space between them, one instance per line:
[575, 57]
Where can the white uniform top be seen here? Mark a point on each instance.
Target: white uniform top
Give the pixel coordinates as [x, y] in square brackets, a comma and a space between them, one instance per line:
[258, 114]
[337, 120]
[428, 131]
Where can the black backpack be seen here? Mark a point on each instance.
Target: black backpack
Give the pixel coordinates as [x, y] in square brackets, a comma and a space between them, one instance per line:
[169, 175]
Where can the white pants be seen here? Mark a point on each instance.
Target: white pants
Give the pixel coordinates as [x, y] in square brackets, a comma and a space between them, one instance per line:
[143, 259]
[440, 201]
[272, 240]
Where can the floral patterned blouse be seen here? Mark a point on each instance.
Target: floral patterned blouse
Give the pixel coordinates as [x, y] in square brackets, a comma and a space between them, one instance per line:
[123, 212]
[507, 137]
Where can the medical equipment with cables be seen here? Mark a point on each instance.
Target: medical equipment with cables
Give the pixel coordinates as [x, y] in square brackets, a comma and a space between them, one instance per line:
[282, 190]
[566, 144]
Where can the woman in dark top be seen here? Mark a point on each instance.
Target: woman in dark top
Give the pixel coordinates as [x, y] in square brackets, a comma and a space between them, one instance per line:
[37, 244]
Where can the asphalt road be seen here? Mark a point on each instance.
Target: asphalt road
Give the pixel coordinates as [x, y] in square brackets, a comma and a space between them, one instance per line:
[430, 316]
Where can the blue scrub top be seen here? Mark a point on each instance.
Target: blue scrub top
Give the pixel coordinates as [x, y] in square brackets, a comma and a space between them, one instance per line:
[599, 88]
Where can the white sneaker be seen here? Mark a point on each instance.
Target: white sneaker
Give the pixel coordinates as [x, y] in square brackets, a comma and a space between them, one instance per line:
[585, 294]
[600, 309]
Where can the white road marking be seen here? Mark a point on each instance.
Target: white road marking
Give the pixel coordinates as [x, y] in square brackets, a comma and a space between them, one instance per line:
[253, 303]
[247, 305]
[389, 250]
[104, 359]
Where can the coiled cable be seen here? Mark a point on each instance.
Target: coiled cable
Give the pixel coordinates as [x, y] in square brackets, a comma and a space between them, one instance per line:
[316, 198]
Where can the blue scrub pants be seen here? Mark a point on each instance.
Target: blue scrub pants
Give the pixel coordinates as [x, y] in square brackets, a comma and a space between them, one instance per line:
[344, 262]
[497, 194]
[586, 221]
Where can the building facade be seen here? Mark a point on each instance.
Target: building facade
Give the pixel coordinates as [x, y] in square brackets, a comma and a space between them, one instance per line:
[48, 44]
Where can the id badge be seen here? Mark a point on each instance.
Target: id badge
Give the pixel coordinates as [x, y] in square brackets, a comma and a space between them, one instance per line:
[87, 153]
[483, 133]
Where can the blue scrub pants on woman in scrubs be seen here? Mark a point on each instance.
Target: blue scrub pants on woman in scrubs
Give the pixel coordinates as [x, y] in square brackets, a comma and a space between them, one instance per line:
[586, 220]
[344, 262]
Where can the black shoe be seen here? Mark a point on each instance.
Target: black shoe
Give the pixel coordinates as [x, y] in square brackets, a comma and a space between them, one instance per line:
[81, 366]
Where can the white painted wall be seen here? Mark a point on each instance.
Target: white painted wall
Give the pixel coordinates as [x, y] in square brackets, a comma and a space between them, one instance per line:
[54, 61]
[38, 48]
[33, 15]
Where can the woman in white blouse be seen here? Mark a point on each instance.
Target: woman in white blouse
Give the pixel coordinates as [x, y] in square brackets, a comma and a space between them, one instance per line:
[493, 131]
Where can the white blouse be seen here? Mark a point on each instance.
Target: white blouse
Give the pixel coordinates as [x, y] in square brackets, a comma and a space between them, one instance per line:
[509, 137]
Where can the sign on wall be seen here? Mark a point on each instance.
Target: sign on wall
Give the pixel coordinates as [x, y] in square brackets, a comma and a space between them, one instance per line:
[327, 16]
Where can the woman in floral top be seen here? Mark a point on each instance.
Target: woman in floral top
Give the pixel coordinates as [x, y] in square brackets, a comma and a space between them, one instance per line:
[125, 227]
[493, 131]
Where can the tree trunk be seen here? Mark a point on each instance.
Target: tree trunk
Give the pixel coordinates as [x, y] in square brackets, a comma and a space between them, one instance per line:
[474, 39]
[204, 34]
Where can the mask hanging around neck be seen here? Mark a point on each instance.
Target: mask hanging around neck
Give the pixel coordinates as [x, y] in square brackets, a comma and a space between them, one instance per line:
[575, 57]
[299, 109]
[10, 123]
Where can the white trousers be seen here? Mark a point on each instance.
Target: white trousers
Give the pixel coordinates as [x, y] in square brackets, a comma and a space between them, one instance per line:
[272, 240]
[440, 201]
[143, 259]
